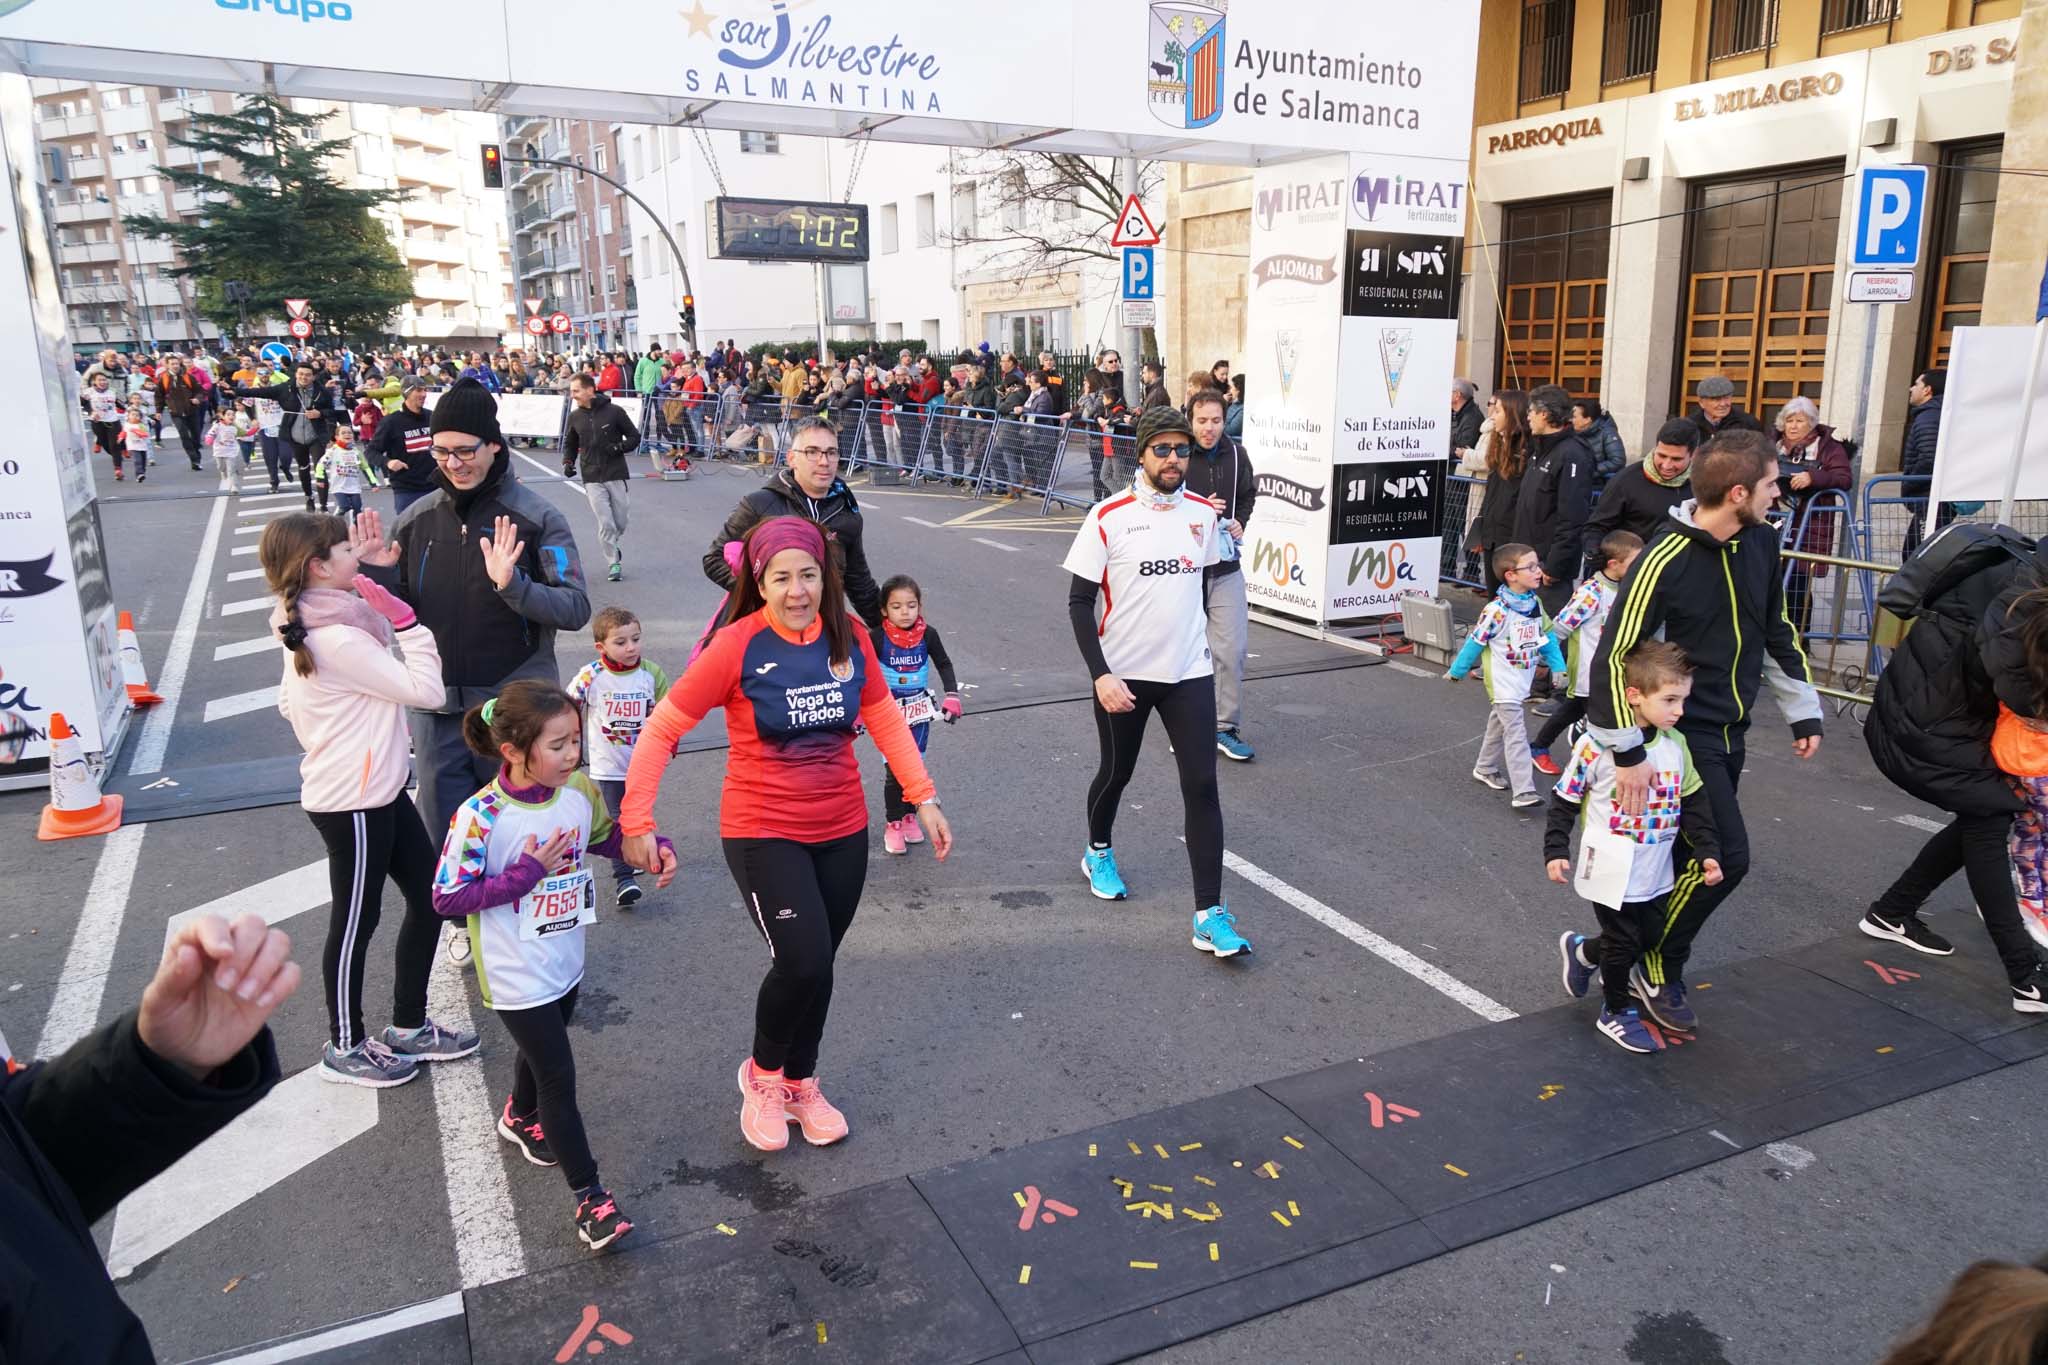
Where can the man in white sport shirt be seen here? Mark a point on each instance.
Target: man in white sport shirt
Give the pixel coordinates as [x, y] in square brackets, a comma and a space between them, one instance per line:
[1142, 552]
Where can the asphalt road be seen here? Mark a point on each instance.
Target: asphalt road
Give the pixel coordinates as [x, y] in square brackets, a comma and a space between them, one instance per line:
[989, 1001]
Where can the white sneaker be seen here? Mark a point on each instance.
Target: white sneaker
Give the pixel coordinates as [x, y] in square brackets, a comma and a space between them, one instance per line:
[457, 941]
[1493, 780]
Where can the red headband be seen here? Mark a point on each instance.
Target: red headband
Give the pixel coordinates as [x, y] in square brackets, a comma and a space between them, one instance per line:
[771, 537]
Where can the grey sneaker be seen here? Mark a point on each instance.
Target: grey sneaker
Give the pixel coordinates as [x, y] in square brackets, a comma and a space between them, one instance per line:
[430, 1042]
[367, 1063]
[456, 940]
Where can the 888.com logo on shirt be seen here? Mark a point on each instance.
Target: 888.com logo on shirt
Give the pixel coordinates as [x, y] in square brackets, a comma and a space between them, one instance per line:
[1154, 568]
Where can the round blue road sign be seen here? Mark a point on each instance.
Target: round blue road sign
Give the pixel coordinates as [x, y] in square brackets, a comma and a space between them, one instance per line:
[276, 352]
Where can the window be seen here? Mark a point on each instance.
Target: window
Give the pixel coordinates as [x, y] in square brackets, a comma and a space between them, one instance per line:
[1839, 16]
[1546, 48]
[110, 99]
[643, 246]
[151, 185]
[598, 161]
[1740, 26]
[1013, 213]
[885, 230]
[1630, 46]
[611, 280]
[764, 143]
[636, 163]
[927, 220]
[966, 210]
[604, 220]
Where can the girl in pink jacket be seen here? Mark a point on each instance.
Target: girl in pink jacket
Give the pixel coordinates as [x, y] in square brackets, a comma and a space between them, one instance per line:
[356, 658]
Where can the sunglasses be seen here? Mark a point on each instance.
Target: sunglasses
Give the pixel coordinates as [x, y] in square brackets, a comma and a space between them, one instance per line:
[1178, 450]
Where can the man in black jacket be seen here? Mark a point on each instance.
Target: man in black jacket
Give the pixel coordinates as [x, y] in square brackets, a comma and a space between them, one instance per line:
[1219, 470]
[1557, 494]
[83, 1131]
[402, 447]
[1716, 411]
[809, 487]
[1711, 584]
[1916, 456]
[311, 408]
[1465, 417]
[1640, 497]
[601, 435]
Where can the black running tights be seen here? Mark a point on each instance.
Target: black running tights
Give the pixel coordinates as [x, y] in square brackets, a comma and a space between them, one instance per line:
[544, 1078]
[1188, 710]
[363, 848]
[802, 898]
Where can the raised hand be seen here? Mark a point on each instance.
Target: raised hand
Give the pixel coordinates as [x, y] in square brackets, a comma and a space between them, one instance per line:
[366, 538]
[217, 984]
[384, 603]
[501, 552]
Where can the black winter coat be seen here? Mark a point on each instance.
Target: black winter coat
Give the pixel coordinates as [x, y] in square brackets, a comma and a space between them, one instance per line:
[600, 436]
[78, 1135]
[837, 514]
[405, 437]
[1937, 700]
[1227, 479]
[1556, 498]
[1923, 431]
[1738, 420]
[326, 409]
[1633, 502]
[1498, 499]
[1465, 424]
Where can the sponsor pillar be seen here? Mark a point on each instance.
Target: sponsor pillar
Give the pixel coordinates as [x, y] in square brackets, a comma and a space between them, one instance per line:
[59, 648]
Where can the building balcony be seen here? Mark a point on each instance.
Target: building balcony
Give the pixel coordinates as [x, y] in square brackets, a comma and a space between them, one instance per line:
[88, 253]
[178, 110]
[187, 157]
[77, 125]
[420, 209]
[133, 165]
[537, 262]
[188, 201]
[564, 210]
[422, 248]
[95, 293]
[133, 205]
[428, 130]
[91, 211]
[517, 124]
[433, 287]
[537, 210]
[85, 168]
[416, 168]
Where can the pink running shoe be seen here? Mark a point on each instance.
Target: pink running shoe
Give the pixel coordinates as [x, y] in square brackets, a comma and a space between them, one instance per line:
[763, 1120]
[2034, 914]
[892, 838]
[913, 833]
[822, 1124]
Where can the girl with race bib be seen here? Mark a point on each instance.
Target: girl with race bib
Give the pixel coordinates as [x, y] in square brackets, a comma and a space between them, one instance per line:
[514, 866]
[909, 649]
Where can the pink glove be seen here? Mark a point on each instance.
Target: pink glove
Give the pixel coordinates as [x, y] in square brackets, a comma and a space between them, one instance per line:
[951, 706]
[384, 604]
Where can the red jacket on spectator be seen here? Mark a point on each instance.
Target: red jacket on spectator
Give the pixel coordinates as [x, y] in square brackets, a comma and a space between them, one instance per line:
[609, 380]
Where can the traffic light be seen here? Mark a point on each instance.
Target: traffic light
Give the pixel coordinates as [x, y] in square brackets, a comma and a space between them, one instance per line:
[494, 167]
[690, 310]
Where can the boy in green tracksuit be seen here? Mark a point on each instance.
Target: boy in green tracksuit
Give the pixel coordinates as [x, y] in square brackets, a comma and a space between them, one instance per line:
[1512, 633]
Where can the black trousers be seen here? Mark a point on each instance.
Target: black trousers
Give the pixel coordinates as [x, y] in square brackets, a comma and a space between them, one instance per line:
[1569, 711]
[1976, 845]
[363, 848]
[187, 424]
[292, 450]
[802, 898]
[1624, 933]
[107, 436]
[1188, 711]
[544, 1079]
[1692, 900]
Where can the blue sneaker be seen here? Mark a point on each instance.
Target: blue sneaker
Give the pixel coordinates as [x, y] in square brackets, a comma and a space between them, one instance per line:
[1665, 1003]
[1103, 878]
[1627, 1030]
[1231, 745]
[1216, 932]
[1578, 976]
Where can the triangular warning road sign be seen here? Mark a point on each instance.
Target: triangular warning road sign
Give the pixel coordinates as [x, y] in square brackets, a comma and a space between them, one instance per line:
[1134, 226]
[297, 307]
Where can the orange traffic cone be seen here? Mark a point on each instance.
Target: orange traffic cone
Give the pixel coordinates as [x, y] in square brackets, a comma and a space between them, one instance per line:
[131, 666]
[76, 805]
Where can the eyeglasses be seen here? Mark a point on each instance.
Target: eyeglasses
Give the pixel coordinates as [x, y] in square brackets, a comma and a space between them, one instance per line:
[1533, 566]
[816, 452]
[1175, 451]
[457, 454]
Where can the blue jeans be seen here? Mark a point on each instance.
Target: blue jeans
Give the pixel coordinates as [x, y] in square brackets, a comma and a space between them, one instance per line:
[402, 498]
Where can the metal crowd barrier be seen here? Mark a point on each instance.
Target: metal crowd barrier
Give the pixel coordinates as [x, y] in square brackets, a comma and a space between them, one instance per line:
[1459, 565]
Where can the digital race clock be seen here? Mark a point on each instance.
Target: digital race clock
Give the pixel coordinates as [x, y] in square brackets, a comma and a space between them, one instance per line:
[781, 230]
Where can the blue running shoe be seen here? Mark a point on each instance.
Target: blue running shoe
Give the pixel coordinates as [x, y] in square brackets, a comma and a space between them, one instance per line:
[1103, 879]
[1627, 1030]
[1216, 932]
[1665, 1003]
[1231, 745]
[1578, 977]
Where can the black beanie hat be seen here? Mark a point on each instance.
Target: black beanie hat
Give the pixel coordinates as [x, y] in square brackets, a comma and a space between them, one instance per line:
[469, 410]
[1157, 421]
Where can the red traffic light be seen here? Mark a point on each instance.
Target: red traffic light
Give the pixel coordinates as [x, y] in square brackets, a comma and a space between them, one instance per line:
[494, 168]
[689, 300]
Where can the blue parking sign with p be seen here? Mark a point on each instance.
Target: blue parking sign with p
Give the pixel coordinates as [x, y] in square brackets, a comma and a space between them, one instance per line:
[1137, 272]
[1890, 202]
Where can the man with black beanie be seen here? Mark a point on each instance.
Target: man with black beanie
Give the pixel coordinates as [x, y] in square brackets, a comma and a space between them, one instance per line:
[402, 447]
[491, 568]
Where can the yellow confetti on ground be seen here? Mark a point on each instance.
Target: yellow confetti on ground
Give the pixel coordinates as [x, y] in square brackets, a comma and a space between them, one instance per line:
[1211, 1216]
[1024, 1275]
[1191, 1146]
[1270, 1171]
[1881, 1051]
[229, 1287]
[1704, 986]
[1292, 1143]
[1213, 1253]
[1293, 1208]
[1018, 1195]
[1237, 1163]
[730, 1232]
[1164, 1155]
[821, 1334]
[1455, 1171]
[1281, 1219]
[1205, 1180]
[1144, 1265]
[1163, 1189]
[1124, 1186]
[1091, 1149]
[1136, 1150]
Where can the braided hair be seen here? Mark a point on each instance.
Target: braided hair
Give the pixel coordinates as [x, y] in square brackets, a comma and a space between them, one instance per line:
[288, 546]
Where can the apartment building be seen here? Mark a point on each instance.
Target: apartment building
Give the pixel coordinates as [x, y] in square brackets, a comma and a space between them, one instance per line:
[573, 249]
[102, 146]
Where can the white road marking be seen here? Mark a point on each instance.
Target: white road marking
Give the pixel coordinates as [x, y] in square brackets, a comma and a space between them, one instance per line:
[244, 575]
[1410, 669]
[1428, 973]
[75, 1004]
[241, 703]
[299, 1122]
[170, 684]
[243, 550]
[250, 530]
[1919, 822]
[997, 544]
[266, 511]
[487, 1245]
[920, 521]
[279, 898]
[247, 605]
[241, 648]
[1717, 1133]
[363, 1329]
[269, 497]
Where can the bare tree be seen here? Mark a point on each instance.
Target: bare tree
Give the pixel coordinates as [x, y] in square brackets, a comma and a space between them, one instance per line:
[1039, 213]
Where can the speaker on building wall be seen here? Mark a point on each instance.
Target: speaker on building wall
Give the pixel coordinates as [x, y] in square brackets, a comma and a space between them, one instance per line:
[1636, 168]
[1881, 132]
